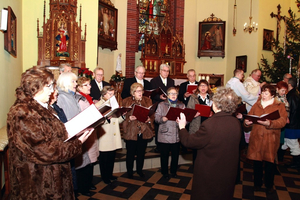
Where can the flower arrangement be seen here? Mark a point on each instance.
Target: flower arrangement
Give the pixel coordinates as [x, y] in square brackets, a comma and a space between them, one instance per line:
[85, 72]
[117, 78]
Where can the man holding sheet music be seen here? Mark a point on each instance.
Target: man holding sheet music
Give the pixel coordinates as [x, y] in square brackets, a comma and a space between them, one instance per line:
[138, 78]
[184, 95]
[162, 81]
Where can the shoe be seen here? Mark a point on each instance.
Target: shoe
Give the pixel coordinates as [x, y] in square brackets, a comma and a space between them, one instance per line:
[174, 175]
[107, 181]
[270, 190]
[156, 150]
[86, 193]
[93, 187]
[129, 175]
[141, 174]
[166, 176]
[258, 189]
[113, 178]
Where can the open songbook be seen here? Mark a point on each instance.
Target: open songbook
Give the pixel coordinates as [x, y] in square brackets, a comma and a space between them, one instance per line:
[271, 116]
[142, 113]
[88, 118]
[191, 87]
[173, 113]
[152, 93]
[204, 110]
[110, 108]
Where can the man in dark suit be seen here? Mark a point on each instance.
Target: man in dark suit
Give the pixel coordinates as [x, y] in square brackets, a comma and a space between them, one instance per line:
[97, 84]
[183, 95]
[162, 81]
[138, 78]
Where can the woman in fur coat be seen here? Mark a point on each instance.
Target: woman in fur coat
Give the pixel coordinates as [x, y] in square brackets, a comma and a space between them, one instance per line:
[38, 155]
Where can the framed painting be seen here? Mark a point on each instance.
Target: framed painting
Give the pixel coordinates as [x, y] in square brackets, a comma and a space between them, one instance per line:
[268, 36]
[241, 63]
[107, 25]
[10, 36]
[211, 40]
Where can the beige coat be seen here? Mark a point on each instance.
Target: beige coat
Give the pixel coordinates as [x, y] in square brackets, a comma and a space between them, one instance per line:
[109, 134]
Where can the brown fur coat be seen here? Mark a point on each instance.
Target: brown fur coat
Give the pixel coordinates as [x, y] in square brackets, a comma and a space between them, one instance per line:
[38, 155]
[130, 128]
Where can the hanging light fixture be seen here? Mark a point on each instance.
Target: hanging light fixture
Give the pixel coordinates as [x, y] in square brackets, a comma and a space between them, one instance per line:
[234, 18]
[252, 26]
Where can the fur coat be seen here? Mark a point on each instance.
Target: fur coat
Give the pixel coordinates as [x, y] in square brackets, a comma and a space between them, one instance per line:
[130, 128]
[38, 155]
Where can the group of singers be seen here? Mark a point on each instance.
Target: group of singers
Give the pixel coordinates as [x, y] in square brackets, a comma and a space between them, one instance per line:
[43, 166]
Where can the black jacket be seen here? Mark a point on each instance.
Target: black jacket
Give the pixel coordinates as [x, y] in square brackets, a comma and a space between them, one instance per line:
[182, 91]
[95, 92]
[127, 84]
[293, 98]
[157, 82]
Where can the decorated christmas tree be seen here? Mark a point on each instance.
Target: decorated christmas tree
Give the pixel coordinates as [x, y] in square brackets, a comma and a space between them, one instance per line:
[286, 54]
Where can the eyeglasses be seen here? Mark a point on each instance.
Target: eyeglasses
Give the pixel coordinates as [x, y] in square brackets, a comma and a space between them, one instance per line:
[172, 93]
[165, 70]
[140, 73]
[203, 85]
[50, 86]
[138, 91]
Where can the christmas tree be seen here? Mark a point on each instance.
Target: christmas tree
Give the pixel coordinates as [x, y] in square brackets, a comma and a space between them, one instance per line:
[285, 55]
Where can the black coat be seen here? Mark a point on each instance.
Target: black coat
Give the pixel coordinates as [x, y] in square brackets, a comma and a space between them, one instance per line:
[95, 92]
[157, 82]
[293, 97]
[127, 84]
[182, 91]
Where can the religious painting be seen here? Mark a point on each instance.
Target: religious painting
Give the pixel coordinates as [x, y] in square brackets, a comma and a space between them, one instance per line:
[241, 63]
[211, 40]
[107, 25]
[268, 36]
[62, 40]
[10, 36]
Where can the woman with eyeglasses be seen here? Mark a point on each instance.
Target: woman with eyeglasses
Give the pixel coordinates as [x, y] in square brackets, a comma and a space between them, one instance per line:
[202, 96]
[84, 164]
[38, 155]
[136, 134]
[168, 136]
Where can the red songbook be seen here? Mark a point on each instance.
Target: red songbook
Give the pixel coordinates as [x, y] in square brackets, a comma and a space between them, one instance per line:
[142, 113]
[173, 113]
[190, 88]
[152, 93]
[271, 116]
[116, 113]
[204, 110]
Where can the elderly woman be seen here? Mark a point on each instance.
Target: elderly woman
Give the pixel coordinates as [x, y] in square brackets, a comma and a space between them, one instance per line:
[66, 85]
[168, 136]
[201, 96]
[217, 142]
[109, 140]
[84, 164]
[38, 154]
[136, 133]
[265, 137]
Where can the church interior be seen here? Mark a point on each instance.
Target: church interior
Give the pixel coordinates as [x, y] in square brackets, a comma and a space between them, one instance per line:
[34, 45]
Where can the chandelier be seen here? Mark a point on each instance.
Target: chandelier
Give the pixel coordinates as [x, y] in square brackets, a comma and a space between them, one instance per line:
[252, 26]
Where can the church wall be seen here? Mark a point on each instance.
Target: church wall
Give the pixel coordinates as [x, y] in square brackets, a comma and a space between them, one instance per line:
[10, 67]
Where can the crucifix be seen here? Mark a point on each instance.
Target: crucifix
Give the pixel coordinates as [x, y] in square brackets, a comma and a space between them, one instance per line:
[279, 18]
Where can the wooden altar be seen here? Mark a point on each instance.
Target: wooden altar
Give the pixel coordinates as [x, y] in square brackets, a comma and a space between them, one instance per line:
[165, 47]
[61, 40]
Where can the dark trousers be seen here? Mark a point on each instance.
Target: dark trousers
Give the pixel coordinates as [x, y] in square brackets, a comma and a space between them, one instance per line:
[165, 149]
[194, 155]
[85, 178]
[137, 148]
[106, 162]
[258, 173]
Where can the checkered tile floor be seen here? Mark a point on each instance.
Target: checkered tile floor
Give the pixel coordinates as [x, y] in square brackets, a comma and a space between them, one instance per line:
[154, 186]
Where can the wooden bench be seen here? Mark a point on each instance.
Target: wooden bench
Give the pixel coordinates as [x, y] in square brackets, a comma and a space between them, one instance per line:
[4, 160]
